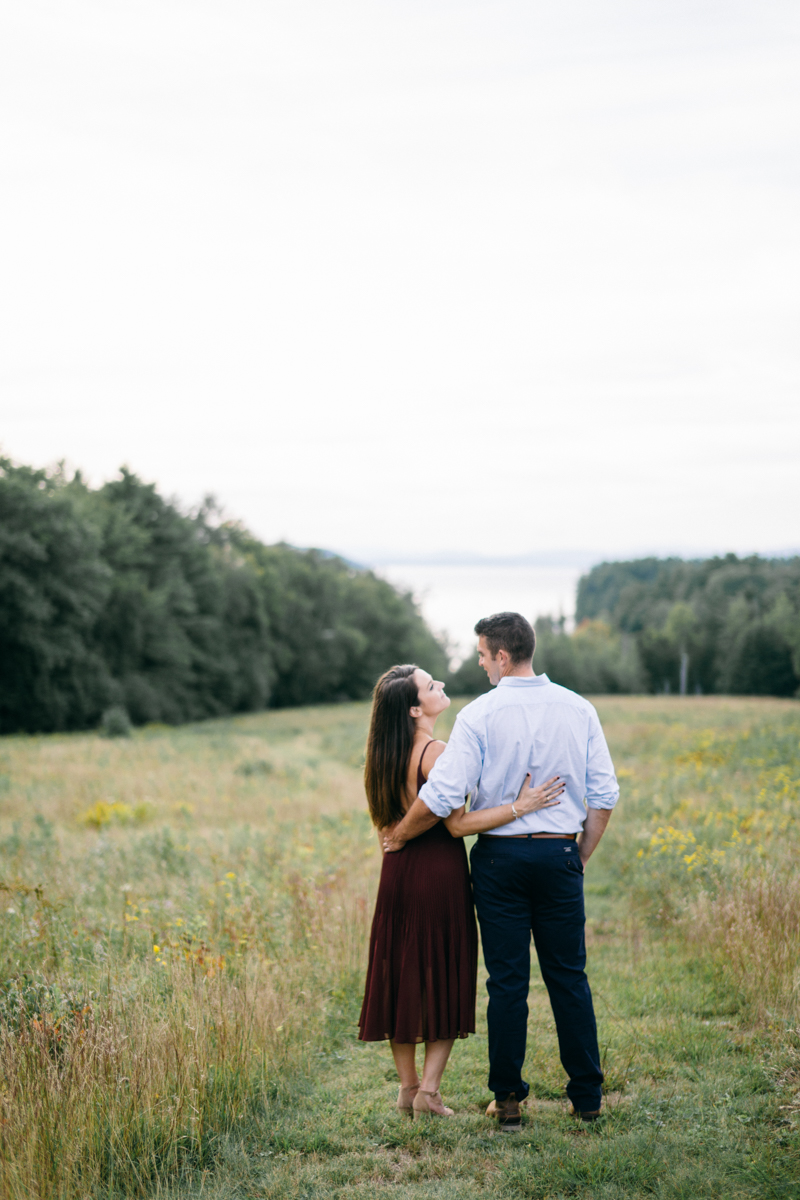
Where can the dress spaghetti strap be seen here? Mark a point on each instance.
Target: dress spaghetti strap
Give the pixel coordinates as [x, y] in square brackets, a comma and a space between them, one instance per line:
[420, 777]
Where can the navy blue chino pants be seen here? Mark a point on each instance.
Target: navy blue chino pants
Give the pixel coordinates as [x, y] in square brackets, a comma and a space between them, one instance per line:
[525, 886]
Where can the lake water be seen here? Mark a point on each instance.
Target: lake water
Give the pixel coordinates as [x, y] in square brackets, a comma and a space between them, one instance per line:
[453, 598]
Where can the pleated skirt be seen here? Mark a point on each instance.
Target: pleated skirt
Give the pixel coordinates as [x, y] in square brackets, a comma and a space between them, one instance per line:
[423, 951]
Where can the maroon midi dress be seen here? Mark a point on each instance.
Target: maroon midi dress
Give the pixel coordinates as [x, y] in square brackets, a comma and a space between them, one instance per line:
[423, 949]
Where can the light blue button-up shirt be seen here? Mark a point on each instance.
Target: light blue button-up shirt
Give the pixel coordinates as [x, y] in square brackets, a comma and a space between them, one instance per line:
[525, 725]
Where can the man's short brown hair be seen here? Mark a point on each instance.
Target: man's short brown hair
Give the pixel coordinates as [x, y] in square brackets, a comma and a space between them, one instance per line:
[508, 631]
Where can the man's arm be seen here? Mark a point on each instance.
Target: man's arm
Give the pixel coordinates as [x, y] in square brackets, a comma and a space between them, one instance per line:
[602, 790]
[419, 819]
[593, 829]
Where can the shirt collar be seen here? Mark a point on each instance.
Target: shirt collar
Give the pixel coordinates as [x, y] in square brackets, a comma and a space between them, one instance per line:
[520, 681]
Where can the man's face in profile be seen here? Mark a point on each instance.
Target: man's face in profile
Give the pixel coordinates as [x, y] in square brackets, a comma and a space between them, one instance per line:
[492, 667]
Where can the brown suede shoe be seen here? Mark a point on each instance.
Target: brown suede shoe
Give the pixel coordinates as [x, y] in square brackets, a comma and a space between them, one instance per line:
[586, 1116]
[509, 1118]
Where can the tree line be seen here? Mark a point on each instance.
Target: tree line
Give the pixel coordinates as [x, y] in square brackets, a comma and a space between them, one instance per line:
[727, 625]
[723, 624]
[115, 597]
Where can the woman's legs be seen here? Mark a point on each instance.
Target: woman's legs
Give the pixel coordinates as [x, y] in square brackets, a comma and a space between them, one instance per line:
[436, 1056]
[405, 1062]
[427, 1099]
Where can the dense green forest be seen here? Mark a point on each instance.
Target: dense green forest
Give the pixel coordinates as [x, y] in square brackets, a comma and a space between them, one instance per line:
[116, 598]
[732, 623]
[728, 625]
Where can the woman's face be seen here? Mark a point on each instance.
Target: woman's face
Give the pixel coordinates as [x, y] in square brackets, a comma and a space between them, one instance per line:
[432, 699]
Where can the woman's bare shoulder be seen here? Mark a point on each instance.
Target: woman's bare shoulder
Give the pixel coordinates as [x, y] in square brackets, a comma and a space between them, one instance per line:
[432, 752]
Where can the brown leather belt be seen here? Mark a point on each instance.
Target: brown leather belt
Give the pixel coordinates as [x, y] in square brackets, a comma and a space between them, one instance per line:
[569, 836]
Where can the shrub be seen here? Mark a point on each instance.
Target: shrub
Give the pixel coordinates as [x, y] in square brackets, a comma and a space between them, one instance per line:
[115, 722]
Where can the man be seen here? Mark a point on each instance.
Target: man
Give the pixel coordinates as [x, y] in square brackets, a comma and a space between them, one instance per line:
[527, 877]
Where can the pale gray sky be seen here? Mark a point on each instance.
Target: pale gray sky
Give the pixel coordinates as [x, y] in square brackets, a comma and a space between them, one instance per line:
[500, 275]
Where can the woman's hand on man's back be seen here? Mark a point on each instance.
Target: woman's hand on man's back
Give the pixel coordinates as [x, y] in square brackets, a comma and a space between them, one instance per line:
[531, 799]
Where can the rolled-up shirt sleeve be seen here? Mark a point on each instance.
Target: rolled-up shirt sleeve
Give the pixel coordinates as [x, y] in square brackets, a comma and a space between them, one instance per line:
[602, 789]
[455, 773]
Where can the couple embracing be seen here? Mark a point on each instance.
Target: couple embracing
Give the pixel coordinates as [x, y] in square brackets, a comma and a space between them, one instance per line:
[530, 753]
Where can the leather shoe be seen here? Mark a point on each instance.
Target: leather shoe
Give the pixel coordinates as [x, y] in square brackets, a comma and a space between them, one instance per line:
[507, 1112]
[592, 1115]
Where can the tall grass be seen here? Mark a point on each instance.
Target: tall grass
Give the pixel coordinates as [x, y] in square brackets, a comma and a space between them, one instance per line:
[713, 787]
[134, 1059]
[165, 984]
[753, 925]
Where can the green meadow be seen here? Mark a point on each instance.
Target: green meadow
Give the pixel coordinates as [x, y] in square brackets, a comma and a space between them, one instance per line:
[183, 924]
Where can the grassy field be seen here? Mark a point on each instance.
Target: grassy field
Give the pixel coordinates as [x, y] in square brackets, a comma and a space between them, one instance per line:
[183, 920]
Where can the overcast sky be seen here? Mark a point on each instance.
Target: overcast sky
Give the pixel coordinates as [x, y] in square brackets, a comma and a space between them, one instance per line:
[503, 276]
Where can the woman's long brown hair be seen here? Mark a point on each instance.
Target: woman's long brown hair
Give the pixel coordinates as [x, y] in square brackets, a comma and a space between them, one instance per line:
[391, 736]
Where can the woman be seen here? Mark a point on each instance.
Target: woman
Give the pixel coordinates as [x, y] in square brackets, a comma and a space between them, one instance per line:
[423, 954]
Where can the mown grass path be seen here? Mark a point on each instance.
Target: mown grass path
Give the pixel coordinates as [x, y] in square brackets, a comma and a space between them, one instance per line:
[708, 1124]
